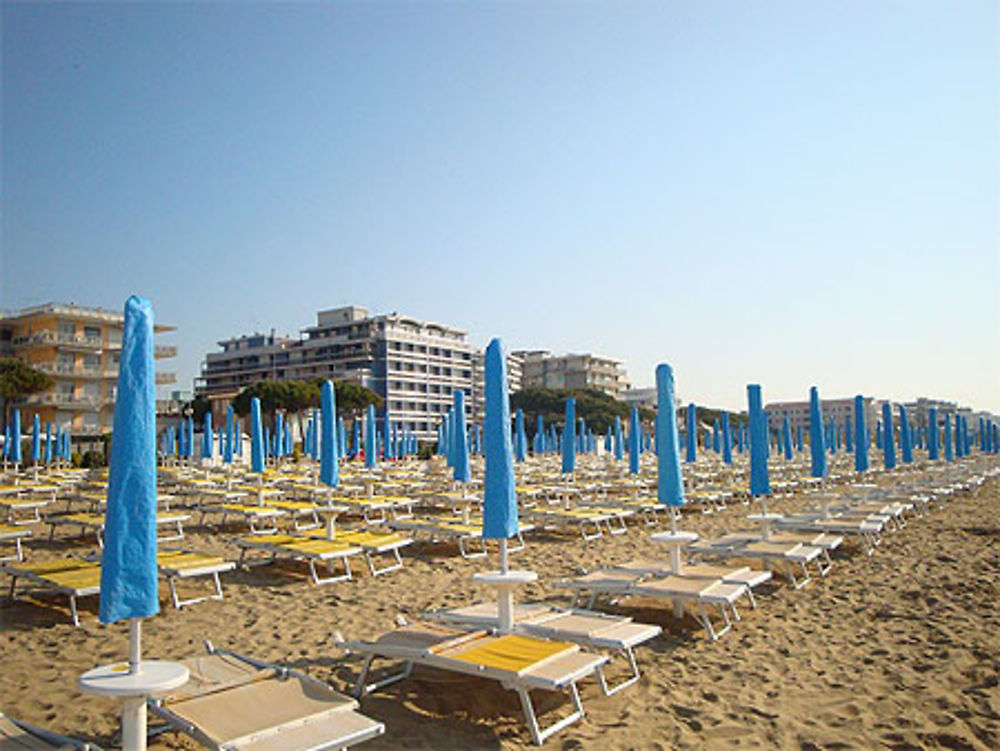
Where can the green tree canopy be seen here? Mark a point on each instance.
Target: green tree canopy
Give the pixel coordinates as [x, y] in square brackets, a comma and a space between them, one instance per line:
[597, 408]
[17, 379]
[297, 396]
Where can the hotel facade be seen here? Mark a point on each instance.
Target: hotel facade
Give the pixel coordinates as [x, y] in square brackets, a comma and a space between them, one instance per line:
[79, 348]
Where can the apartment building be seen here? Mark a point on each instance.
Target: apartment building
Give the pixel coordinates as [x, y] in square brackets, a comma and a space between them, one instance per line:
[839, 409]
[79, 348]
[514, 381]
[416, 366]
[542, 369]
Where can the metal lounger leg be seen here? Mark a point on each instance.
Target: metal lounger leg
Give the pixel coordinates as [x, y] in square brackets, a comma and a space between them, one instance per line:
[398, 563]
[178, 603]
[464, 551]
[72, 610]
[538, 735]
[317, 579]
[362, 687]
[608, 690]
[597, 530]
[519, 545]
[616, 529]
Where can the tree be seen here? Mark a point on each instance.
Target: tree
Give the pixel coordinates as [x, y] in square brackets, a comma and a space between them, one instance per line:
[298, 396]
[597, 408]
[17, 380]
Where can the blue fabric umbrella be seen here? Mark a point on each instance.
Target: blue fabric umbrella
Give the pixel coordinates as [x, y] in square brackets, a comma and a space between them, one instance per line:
[190, 437]
[129, 587]
[786, 436]
[329, 466]
[256, 437]
[239, 438]
[878, 434]
[619, 441]
[760, 484]
[569, 438]
[387, 442]
[499, 499]
[860, 435]
[36, 440]
[206, 439]
[634, 438]
[691, 436]
[522, 439]
[848, 435]
[932, 434]
[608, 440]
[15, 437]
[888, 439]
[816, 448]
[48, 443]
[227, 454]
[370, 447]
[669, 483]
[461, 472]
[341, 437]
[727, 440]
[905, 437]
[715, 436]
[355, 438]
[538, 441]
[6, 441]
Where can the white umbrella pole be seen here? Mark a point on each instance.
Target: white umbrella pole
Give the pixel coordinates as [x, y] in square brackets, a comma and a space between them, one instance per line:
[505, 595]
[134, 710]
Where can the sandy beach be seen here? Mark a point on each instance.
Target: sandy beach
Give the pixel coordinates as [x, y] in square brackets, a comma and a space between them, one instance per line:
[899, 650]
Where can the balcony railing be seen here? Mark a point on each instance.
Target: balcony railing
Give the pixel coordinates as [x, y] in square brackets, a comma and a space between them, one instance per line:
[69, 401]
[165, 378]
[71, 370]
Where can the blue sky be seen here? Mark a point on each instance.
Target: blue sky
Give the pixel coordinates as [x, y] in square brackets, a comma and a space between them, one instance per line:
[783, 193]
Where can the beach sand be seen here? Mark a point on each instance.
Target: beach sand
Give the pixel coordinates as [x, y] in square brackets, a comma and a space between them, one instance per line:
[900, 650]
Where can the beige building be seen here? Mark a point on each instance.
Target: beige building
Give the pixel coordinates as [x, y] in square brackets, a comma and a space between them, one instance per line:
[542, 369]
[416, 366]
[838, 409]
[79, 348]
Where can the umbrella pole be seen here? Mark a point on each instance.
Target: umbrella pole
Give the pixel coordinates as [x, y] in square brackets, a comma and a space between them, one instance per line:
[134, 710]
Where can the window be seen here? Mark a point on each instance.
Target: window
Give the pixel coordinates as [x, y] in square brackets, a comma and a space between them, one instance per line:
[66, 328]
[92, 332]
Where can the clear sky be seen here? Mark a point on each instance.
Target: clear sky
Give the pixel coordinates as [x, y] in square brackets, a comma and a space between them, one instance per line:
[789, 193]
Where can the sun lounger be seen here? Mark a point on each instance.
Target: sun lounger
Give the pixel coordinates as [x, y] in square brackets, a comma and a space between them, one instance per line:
[262, 520]
[825, 541]
[783, 557]
[749, 577]
[867, 531]
[236, 703]
[309, 549]
[519, 663]
[16, 500]
[379, 509]
[372, 544]
[453, 528]
[20, 736]
[94, 523]
[179, 564]
[68, 576]
[10, 533]
[699, 594]
[591, 522]
[588, 628]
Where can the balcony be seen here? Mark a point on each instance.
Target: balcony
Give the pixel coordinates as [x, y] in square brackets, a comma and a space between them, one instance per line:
[163, 379]
[70, 370]
[68, 401]
[161, 351]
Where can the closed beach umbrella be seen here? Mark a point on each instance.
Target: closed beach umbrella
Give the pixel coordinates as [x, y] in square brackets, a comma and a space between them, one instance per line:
[905, 436]
[860, 435]
[691, 435]
[669, 483]
[619, 440]
[932, 434]
[634, 437]
[522, 440]
[341, 437]
[538, 444]
[227, 454]
[888, 440]
[387, 439]
[48, 443]
[727, 440]
[207, 438]
[608, 440]
[816, 448]
[15, 437]
[129, 586]
[760, 484]
[715, 436]
[569, 438]
[461, 472]
[848, 435]
[329, 466]
[499, 499]
[370, 447]
[256, 437]
[36, 440]
[786, 436]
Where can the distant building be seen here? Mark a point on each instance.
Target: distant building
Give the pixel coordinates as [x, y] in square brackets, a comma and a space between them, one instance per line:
[416, 366]
[838, 409]
[79, 348]
[645, 397]
[541, 369]
[515, 379]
